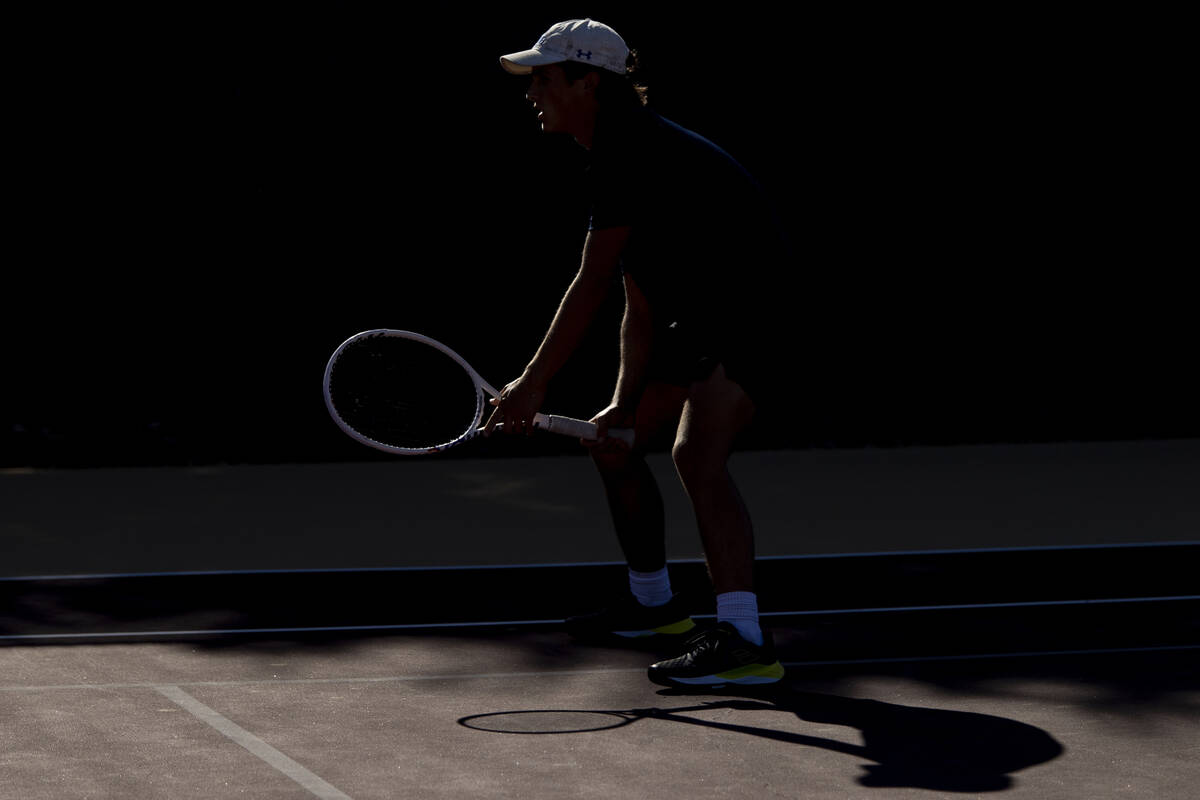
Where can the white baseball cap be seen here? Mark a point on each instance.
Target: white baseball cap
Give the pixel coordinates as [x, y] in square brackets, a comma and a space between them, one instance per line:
[582, 40]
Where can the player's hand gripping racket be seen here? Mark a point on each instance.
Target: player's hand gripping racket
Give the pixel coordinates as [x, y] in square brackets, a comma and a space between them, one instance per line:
[401, 392]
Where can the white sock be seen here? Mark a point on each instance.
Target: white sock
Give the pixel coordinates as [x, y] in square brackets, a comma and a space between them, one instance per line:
[651, 588]
[740, 609]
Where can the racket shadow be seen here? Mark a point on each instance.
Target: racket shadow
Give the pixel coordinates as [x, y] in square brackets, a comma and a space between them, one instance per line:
[908, 747]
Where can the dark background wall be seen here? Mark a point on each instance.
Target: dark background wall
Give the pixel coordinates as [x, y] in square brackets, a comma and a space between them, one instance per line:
[203, 206]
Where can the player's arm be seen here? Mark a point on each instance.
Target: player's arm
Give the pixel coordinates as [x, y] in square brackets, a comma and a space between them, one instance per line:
[521, 398]
[637, 333]
[636, 337]
[587, 292]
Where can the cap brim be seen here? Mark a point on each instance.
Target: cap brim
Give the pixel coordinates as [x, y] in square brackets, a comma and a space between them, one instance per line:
[522, 63]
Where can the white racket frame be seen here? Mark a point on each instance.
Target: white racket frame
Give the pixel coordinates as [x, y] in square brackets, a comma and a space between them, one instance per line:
[564, 426]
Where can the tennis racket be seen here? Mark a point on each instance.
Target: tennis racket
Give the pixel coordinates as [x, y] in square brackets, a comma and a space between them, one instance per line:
[404, 393]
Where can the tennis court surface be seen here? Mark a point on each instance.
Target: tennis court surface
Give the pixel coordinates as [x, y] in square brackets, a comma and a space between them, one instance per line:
[1017, 620]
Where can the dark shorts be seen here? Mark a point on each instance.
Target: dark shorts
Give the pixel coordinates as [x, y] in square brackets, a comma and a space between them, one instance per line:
[680, 361]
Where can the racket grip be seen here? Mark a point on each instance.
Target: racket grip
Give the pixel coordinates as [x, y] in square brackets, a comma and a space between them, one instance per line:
[578, 428]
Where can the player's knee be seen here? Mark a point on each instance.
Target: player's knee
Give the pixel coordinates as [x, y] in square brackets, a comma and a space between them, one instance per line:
[611, 461]
[694, 463]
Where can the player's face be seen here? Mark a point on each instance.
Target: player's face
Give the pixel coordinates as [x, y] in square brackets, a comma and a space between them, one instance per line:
[562, 106]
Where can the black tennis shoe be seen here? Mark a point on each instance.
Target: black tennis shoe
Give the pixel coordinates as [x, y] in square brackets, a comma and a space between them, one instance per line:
[717, 657]
[629, 619]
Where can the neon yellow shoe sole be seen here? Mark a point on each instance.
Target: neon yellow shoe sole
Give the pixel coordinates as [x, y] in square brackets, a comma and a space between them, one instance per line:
[752, 675]
[627, 619]
[674, 629]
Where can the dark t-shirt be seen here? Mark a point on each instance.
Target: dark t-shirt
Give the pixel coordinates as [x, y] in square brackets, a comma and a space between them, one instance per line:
[704, 241]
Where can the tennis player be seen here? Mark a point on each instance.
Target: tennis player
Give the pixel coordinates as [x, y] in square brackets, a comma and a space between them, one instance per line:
[689, 234]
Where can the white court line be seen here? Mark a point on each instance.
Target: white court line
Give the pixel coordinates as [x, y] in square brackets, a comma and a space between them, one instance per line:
[469, 676]
[226, 727]
[110, 635]
[485, 567]
[243, 631]
[985, 656]
[566, 673]
[1099, 601]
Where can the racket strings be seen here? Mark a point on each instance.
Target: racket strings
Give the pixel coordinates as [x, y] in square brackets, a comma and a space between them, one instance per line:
[403, 393]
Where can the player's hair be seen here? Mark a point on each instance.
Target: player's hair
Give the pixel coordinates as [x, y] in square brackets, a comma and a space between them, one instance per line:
[623, 91]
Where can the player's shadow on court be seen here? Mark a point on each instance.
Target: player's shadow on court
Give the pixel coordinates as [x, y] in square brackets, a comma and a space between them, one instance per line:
[922, 748]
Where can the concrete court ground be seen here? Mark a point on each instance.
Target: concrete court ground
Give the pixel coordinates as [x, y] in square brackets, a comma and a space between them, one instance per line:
[507, 711]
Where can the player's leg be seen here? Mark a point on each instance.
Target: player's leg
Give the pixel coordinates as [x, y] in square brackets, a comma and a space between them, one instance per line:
[737, 650]
[633, 495]
[636, 506]
[716, 411]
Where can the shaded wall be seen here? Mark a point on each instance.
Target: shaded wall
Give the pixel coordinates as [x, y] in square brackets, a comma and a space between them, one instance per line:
[985, 233]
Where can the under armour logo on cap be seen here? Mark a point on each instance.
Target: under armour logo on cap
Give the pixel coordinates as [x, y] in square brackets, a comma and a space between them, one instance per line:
[583, 40]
